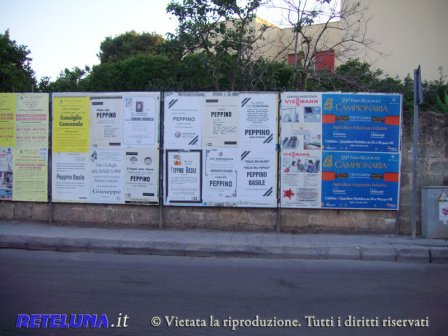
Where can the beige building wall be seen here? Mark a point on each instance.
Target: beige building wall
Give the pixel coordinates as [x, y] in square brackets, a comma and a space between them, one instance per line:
[278, 43]
[408, 33]
[405, 34]
[272, 42]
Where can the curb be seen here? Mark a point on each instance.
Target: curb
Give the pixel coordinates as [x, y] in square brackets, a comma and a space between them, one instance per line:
[438, 255]
[411, 254]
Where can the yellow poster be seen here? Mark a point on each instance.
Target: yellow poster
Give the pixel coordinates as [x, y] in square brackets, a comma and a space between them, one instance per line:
[7, 120]
[32, 120]
[30, 175]
[71, 124]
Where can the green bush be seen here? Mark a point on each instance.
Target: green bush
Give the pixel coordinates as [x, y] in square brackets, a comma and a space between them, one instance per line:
[190, 73]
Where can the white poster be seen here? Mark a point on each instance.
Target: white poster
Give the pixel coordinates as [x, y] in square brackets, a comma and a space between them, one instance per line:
[142, 175]
[106, 120]
[258, 120]
[237, 136]
[301, 107]
[183, 177]
[106, 176]
[301, 179]
[221, 120]
[258, 178]
[183, 120]
[140, 119]
[301, 118]
[221, 176]
[70, 176]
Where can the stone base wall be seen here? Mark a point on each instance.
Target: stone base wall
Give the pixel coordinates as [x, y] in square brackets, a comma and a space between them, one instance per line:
[432, 162]
[337, 221]
[432, 167]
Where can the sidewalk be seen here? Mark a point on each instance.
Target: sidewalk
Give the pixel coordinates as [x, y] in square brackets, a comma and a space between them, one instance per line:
[38, 236]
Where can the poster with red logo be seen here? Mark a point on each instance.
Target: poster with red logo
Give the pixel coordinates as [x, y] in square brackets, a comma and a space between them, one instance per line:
[301, 149]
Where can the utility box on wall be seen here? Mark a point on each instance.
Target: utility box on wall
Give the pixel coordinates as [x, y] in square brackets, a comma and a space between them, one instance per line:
[435, 212]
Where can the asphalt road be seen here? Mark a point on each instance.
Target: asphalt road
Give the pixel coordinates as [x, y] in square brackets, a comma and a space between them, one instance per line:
[318, 297]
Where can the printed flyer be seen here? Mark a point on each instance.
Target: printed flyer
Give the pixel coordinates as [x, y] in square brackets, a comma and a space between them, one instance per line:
[115, 159]
[362, 122]
[258, 120]
[258, 179]
[301, 179]
[221, 176]
[340, 150]
[70, 177]
[30, 174]
[183, 120]
[7, 119]
[236, 135]
[6, 173]
[106, 122]
[106, 176]
[301, 145]
[32, 120]
[71, 124]
[24, 120]
[142, 175]
[140, 119]
[301, 121]
[183, 177]
[221, 120]
[360, 180]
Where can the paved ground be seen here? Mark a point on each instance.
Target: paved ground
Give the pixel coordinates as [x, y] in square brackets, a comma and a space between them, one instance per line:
[38, 236]
[325, 297]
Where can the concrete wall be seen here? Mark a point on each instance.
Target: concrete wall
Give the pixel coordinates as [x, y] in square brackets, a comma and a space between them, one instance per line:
[433, 167]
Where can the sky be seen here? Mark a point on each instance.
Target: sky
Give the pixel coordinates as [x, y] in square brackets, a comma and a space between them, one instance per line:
[67, 33]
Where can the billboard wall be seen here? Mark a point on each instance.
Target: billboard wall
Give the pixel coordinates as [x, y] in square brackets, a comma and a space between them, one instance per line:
[106, 147]
[221, 149]
[340, 150]
[24, 120]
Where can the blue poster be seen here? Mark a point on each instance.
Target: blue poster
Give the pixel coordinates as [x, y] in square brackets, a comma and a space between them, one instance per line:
[361, 122]
[360, 180]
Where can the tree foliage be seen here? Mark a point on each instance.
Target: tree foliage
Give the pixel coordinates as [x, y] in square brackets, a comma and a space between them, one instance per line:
[68, 81]
[16, 73]
[436, 94]
[222, 30]
[442, 102]
[136, 73]
[129, 44]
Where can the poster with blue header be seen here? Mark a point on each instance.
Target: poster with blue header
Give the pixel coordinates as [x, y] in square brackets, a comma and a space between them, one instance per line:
[361, 122]
[359, 180]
